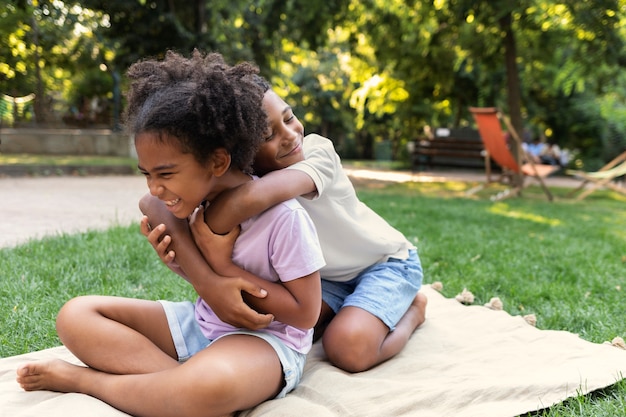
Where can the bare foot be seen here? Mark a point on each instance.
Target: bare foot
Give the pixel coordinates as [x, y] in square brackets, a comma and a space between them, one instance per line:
[53, 375]
[418, 309]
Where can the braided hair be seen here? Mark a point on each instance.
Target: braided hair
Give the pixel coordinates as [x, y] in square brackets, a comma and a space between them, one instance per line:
[202, 102]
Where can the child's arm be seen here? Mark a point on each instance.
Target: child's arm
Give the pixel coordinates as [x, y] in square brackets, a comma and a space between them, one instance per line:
[303, 307]
[234, 206]
[295, 302]
[223, 294]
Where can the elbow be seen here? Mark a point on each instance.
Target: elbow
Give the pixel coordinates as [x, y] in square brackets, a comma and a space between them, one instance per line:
[302, 317]
[147, 204]
[310, 316]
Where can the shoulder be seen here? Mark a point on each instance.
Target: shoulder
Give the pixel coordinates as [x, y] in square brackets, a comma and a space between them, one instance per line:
[320, 150]
[291, 218]
[282, 216]
[291, 205]
[320, 158]
[289, 208]
[314, 141]
[321, 163]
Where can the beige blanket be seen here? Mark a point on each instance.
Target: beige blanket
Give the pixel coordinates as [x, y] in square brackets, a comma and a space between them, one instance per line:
[464, 361]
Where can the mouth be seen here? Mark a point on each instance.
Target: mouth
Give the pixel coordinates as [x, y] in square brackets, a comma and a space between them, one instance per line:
[295, 150]
[171, 203]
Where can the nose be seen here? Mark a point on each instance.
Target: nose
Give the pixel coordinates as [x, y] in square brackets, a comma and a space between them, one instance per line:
[288, 136]
[155, 188]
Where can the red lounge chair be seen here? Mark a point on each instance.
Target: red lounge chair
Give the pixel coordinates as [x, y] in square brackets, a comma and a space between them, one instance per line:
[488, 120]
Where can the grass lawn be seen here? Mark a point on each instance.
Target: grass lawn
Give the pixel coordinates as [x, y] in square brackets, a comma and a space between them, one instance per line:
[61, 160]
[565, 262]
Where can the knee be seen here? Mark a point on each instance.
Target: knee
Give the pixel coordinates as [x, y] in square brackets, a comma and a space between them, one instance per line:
[216, 392]
[71, 313]
[349, 350]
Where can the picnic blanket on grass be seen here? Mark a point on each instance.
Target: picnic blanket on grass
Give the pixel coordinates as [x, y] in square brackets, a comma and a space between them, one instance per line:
[464, 361]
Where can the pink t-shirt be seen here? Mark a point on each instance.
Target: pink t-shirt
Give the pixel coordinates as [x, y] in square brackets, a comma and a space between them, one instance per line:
[280, 244]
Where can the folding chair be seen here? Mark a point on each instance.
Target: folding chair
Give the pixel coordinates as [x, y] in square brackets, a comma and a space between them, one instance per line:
[488, 120]
[604, 177]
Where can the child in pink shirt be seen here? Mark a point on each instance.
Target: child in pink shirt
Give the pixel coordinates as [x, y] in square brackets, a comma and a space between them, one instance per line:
[197, 125]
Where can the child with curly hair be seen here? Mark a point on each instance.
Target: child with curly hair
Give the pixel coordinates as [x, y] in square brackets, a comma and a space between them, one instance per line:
[371, 304]
[197, 125]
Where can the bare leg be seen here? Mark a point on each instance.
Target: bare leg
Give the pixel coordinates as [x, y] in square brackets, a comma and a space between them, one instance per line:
[356, 341]
[117, 335]
[234, 373]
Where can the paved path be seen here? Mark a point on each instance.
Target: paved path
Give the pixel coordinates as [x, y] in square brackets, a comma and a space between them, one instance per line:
[43, 206]
[37, 207]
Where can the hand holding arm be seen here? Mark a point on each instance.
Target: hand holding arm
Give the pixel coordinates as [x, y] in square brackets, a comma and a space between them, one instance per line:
[160, 243]
[295, 302]
[223, 294]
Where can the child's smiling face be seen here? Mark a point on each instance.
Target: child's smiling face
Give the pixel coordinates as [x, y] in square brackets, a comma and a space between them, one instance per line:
[283, 143]
[173, 176]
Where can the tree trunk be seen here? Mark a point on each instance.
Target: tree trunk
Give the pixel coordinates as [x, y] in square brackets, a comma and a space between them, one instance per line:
[513, 86]
[201, 27]
[40, 116]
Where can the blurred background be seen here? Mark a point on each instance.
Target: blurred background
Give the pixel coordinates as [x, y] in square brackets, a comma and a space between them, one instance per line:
[372, 75]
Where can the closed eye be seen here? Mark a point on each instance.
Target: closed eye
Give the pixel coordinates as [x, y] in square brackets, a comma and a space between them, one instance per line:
[164, 175]
[269, 133]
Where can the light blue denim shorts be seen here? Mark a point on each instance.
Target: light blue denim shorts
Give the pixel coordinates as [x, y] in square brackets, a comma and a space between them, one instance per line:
[189, 340]
[385, 290]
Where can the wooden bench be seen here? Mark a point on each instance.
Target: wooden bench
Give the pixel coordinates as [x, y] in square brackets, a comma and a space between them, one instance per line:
[461, 148]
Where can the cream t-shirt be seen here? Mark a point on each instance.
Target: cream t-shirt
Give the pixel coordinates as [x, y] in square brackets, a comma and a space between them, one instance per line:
[352, 235]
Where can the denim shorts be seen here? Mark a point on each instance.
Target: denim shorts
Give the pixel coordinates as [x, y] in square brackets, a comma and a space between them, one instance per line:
[189, 340]
[385, 290]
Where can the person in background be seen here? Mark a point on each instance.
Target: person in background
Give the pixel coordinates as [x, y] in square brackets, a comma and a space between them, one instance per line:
[551, 154]
[534, 149]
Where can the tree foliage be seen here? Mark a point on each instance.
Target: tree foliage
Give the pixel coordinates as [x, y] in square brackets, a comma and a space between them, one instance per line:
[50, 44]
[363, 72]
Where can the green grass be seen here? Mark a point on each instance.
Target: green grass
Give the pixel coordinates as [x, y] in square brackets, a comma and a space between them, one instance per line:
[565, 262]
[377, 164]
[64, 160]
[41, 275]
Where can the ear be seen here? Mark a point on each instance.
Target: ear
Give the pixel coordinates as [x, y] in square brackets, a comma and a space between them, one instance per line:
[220, 161]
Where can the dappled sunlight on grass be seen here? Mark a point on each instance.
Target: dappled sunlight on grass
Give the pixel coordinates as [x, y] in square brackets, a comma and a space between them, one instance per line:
[607, 194]
[455, 186]
[505, 210]
[439, 189]
[602, 195]
[473, 191]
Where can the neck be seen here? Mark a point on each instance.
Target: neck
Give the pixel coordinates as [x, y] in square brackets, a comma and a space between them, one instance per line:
[231, 179]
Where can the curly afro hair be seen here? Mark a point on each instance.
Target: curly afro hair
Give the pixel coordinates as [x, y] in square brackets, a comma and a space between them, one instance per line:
[202, 102]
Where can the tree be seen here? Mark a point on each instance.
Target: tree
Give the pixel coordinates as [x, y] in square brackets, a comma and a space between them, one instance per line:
[361, 71]
[48, 41]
